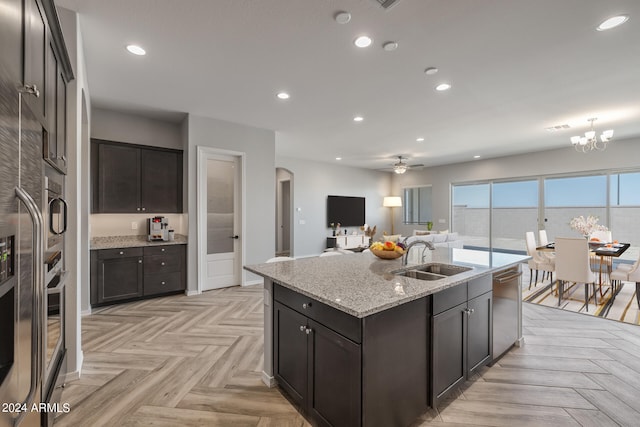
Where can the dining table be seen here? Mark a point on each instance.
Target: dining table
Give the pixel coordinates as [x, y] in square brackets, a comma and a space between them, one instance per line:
[601, 249]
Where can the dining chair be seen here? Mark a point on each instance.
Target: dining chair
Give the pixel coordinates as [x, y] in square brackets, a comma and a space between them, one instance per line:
[628, 273]
[572, 265]
[280, 258]
[537, 261]
[601, 264]
[543, 241]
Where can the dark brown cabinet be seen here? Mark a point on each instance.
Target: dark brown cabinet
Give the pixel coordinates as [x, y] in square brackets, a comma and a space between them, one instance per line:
[128, 273]
[130, 178]
[117, 274]
[317, 367]
[461, 335]
[35, 51]
[344, 371]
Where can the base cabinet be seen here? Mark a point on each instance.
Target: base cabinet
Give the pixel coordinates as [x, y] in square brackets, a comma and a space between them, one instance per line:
[461, 335]
[124, 274]
[344, 371]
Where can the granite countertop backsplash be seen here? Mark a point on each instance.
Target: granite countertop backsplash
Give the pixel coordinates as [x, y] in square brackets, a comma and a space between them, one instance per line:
[114, 242]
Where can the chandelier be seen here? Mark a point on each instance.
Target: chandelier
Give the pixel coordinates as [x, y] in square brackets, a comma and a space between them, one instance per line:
[590, 141]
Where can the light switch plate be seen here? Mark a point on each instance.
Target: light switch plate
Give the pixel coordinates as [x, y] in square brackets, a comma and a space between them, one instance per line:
[134, 225]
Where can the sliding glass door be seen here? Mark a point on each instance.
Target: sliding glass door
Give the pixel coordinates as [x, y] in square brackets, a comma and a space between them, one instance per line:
[471, 214]
[569, 197]
[514, 212]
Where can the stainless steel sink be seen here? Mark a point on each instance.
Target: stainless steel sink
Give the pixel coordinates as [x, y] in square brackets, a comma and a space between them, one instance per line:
[442, 269]
[433, 271]
[422, 275]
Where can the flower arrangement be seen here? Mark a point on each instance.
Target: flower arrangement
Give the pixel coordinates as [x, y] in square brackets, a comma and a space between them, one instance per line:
[368, 231]
[334, 226]
[586, 226]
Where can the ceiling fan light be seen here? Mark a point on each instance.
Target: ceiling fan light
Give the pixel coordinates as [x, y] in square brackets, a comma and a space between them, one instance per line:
[400, 169]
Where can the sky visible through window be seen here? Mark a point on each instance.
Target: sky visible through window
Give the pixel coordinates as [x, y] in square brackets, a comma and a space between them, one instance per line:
[559, 192]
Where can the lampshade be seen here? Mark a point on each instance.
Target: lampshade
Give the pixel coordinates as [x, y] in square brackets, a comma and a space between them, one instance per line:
[392, 202]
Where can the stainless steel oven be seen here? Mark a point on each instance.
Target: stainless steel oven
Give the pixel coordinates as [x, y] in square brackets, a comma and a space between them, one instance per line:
[56, 210]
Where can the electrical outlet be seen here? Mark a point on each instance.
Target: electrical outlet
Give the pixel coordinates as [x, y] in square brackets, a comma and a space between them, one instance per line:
[302, 222]
[134, 225]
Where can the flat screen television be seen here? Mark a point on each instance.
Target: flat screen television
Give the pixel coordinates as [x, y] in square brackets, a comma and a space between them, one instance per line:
[348, 211]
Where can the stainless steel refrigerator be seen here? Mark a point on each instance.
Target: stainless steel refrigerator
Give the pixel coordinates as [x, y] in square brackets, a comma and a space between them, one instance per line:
[21, 254]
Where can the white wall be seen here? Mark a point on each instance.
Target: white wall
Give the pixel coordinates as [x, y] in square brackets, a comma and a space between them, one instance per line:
[259, 148]
[135, 129]
[76, 193]
[620, 154]
[314, 181]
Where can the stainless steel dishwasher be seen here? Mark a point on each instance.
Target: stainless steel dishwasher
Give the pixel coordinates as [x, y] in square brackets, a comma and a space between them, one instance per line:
[507, 310]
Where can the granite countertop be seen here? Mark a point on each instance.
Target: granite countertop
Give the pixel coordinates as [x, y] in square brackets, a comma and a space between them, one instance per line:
[114, 242]
[361, 284]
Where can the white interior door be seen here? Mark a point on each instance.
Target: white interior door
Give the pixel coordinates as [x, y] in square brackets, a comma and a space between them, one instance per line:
[220, 196]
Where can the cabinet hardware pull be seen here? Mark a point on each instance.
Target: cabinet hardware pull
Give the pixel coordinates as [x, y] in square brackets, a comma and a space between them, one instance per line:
[139, 261]
[302, 328]
[308, 330]
[31, 90]
[144, 209]
[162, 249]
[163, 283]
[162, 263]
[137, 209]
[305, 305]
[121, 253]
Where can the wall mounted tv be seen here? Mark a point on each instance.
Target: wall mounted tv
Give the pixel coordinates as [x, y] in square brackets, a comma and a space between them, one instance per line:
[348, 211]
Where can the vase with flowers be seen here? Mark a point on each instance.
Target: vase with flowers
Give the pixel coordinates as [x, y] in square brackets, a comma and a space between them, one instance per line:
[586, 226]
[335, 226]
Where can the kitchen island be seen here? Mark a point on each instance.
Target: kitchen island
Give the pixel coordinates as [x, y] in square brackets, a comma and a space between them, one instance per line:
[354, 340]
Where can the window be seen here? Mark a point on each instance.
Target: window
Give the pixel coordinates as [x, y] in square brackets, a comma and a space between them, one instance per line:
[417, 205]
[624, 201]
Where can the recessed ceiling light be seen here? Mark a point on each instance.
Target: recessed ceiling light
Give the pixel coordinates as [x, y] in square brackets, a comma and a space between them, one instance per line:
[612, 22]
[342, 17]
[358, 118]
[420, 139]
[390, 46]
[338, 158]
[476, 156]
[443, 86]
[283, 95]
[136, 50]
[363, 41]
[431, 71]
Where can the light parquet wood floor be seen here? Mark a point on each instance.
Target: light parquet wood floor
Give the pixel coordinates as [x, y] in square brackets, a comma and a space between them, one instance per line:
[197, 361]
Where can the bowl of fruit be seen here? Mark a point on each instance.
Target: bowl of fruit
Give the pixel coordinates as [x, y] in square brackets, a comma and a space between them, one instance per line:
[387, 250]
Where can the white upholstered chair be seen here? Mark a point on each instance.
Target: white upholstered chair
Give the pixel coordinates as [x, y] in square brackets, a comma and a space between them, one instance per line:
[572, 265]
[280, 258]
[543, 241]
[601, 265]
[331, 253]
[628, 273]
[537, 261]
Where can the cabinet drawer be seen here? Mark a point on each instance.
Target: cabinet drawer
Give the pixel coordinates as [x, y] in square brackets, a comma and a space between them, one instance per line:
[119, 253]
[480, 286]
[339, 321]
[175, 250]
[162, 264]
[160, 283]
[448, 298]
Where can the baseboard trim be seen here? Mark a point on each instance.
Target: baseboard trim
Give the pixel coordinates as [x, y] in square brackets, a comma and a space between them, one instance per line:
[192, 293]
[269, 380]
[253, 282]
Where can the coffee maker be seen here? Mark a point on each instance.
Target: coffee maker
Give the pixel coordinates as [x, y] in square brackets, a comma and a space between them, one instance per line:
[158, 229]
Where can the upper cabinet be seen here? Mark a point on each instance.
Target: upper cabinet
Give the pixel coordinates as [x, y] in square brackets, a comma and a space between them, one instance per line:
[131, 178]
[46, 72]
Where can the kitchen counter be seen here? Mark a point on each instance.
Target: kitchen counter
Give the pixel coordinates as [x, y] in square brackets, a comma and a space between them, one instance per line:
[114, 242]
[362, 284]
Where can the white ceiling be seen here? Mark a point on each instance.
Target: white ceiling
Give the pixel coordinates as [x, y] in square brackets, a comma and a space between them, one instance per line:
[516, 67]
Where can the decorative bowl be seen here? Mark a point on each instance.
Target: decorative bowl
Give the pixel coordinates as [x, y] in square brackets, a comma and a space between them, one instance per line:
[386, 254]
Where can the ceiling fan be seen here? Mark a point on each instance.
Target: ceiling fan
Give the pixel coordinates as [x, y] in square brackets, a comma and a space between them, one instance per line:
[401, 166]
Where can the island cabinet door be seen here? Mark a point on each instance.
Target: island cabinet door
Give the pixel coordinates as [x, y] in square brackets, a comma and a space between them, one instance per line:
[334, 378]
[290, 352]
[119, 279]
[480, 331]
[449, 362]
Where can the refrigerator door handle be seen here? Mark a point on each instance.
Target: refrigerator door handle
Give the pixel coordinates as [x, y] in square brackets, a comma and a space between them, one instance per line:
[38, 289]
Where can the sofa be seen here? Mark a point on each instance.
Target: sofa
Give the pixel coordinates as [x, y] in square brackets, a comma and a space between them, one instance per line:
[442, 239]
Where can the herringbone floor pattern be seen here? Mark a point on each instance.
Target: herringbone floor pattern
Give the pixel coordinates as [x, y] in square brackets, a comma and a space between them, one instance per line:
[196, 361]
